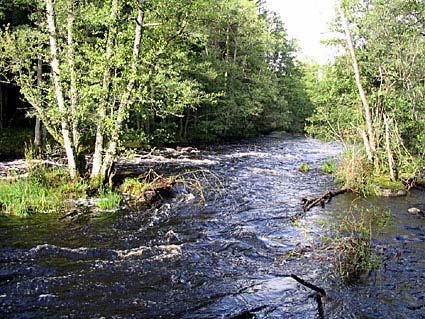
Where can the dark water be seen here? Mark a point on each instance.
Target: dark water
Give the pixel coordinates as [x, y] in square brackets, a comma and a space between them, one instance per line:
[227, 259]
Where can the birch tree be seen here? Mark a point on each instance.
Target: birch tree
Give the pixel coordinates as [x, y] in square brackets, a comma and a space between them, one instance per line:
[369, 136]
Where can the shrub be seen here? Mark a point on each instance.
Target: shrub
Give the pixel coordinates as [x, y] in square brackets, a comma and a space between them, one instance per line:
[352, 244]
[354, 171]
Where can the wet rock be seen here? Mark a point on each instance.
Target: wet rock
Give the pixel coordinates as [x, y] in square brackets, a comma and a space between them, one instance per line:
[46, 297]
[416, 211]
[392, 193]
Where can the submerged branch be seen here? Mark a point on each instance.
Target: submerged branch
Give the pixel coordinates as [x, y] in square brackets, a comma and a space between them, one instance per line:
[323, 199]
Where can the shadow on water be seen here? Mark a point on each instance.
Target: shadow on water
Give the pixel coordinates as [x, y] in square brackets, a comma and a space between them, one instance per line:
[227, 259]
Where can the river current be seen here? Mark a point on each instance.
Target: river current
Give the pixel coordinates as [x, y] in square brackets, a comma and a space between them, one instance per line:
[227, 258]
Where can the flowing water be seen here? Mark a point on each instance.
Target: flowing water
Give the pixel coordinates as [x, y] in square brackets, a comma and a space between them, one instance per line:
[229, 258]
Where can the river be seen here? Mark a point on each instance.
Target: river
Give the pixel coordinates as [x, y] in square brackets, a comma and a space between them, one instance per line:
[225, 259]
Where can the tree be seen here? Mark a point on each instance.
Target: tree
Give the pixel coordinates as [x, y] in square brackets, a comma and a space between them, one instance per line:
[165, 69]
[388, 45]
[369, 137]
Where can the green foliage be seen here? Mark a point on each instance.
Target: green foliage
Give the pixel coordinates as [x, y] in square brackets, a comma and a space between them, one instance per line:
[390, 49]
[108, 200]
[304, 168]
[337, 111]
[351, 242]
[329, 167]
[135, 187]
[208, 70]
[43, 191]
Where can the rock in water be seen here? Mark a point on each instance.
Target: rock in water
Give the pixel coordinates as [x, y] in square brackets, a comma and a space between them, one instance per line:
[392, 193]
[416, 211]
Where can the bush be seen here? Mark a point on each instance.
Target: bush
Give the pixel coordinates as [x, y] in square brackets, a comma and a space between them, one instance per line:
[352, 244]
[354, 171]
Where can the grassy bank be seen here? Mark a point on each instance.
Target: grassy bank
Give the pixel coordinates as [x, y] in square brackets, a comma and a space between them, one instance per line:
[47, 190]
[356, 172]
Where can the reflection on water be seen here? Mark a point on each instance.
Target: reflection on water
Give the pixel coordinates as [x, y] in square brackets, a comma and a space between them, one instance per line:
[222, 260]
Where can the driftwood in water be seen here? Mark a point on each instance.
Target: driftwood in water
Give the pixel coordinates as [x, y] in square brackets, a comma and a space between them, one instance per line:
[319, 290]
[323, 199]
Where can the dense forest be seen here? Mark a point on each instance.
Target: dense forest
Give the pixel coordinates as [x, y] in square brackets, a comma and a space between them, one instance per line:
[161, 71]
[373, 94]
[103, 76]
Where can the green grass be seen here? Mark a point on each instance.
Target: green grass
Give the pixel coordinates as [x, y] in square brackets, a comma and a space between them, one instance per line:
[351, 242]
[43, 191]
[385, 182]
[108, 200]
[135, 187]
[329, 167]
[304, 168]
[25, 197]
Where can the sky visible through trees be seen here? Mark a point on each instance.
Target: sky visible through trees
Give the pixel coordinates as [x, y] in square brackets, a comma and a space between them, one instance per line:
[308, 21]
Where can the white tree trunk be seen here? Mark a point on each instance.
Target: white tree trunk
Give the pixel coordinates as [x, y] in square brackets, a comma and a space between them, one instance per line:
[37, 129]
[367, 110]
[126, 98]
[67, 142]
[73, 76]
[101, 114]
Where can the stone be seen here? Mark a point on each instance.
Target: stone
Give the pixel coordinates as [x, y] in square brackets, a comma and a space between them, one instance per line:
[392, 193]
[414, 210]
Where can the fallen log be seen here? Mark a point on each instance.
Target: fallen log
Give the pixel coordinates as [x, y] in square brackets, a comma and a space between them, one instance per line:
[323, 199]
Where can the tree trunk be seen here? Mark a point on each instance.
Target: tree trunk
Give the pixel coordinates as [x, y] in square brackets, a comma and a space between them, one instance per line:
[226, 57]
[101, 114]
[37, 129]
[388, 148]
[126, 98]
[1, 106]
[367, 110]
[73, 76]
[67, 142]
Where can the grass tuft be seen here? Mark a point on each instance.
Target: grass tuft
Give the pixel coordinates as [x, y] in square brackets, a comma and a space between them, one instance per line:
[329, 167]
[304, 168]
[352, 246]
[108, 200]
